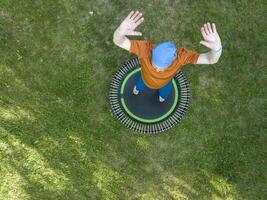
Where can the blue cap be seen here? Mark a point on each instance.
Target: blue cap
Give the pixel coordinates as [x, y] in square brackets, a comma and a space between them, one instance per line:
[163, 54]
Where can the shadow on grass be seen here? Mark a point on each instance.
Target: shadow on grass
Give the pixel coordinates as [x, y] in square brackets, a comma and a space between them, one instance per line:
[57, 160]
[64, 143]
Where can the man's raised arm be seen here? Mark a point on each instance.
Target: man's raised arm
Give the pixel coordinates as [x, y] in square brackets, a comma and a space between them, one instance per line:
[212, 41]
[127, 27]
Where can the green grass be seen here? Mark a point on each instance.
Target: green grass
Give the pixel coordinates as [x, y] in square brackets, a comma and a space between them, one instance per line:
[58, 139]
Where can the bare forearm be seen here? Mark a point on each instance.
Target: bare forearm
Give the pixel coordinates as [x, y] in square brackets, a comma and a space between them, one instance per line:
[214, 55]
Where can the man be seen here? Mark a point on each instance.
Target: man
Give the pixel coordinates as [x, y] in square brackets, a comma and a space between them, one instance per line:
[160, 62]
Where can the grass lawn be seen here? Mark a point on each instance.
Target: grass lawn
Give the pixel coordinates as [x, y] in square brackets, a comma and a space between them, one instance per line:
[58, 138]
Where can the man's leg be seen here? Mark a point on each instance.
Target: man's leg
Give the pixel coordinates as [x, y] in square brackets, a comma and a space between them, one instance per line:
[165, 91]
[139, 85]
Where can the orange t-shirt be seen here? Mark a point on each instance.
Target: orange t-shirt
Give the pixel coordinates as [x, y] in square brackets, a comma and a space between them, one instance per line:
[152, 78]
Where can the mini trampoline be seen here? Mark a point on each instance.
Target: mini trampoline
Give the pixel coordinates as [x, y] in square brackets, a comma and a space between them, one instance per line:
[144, 113]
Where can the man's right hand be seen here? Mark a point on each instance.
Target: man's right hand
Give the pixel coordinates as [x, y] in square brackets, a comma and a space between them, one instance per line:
[130, 23]
[127, 27]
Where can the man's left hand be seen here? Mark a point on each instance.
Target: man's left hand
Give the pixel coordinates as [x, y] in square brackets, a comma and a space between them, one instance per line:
[211, 37]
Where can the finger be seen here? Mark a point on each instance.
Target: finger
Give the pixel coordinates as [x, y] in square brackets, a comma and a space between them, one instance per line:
[203, 32]
[130, 14]
[137, 33]
[206, 29]
[214, 28]
[205, 43]
[209, 27]
[139, 16]
[134, 33]
[139, 21]
[134, 15]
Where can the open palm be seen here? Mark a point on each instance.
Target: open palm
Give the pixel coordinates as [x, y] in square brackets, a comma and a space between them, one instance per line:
[211, 37]
[130, 23]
